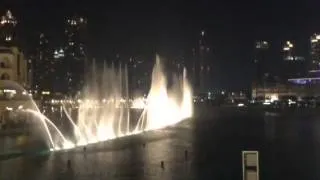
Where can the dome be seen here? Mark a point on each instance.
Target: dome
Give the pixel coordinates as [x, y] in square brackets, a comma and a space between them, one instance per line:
[8, 84]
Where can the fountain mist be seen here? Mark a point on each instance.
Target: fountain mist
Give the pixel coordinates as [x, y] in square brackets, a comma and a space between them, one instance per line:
[104, 112]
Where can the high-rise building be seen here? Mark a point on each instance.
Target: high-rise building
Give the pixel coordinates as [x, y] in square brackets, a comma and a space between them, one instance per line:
[292, 65]
[8, 29]
[43, 67]
[261, 57]
[75, 53]
[315, 51]
[202, 67]
[58, 56]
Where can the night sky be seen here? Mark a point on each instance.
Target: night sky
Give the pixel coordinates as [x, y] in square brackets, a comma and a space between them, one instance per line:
[171, 27]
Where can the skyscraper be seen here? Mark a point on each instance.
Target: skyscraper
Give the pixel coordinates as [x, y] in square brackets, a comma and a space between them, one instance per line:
[261, 57]
[43, 66]
[8, 29]
[201, 65]
[293, 65]
[75, 53]
[315, 51]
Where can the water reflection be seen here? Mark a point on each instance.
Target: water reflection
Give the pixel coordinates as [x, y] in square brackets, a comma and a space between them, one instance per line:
[135, 157]
[270, 123]
[288, 144]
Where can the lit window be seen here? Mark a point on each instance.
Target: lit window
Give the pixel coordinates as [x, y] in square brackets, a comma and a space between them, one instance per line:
[314, 40]
[286, 48]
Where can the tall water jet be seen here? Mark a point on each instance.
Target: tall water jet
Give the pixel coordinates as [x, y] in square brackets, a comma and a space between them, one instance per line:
[104, 112]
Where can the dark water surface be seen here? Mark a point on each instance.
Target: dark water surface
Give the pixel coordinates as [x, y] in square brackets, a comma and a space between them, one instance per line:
[288, 143]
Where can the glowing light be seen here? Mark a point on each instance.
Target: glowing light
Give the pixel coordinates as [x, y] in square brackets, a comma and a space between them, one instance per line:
[274, 97]
[9, 108]
[8, 38]
[291, 102]
[240, 105]
[202, 33]
[10, 91]
[45, 92]
[138, 103]
[286, 48]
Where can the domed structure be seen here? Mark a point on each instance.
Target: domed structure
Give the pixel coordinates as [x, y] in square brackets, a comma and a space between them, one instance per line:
[13, 97]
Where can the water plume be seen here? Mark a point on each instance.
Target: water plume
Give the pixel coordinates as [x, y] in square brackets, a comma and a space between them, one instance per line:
[104, 112]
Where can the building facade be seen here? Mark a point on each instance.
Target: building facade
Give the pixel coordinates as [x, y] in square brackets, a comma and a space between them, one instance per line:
[44, 66]
[261, 57]
[293, 65]
[202, 65]
[13, 66]
[315, 51]
[75, 53]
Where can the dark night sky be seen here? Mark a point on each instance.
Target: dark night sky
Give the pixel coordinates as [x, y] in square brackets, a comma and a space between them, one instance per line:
[171, 27]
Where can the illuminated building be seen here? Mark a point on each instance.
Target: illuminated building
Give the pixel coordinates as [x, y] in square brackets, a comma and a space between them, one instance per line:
[277, 91]
[292, 65]
[44, 67]
[74, 53]
[262, 45]
[261, 58]
[202, 67]
[315, 51]
[8, 29]
[60, 72]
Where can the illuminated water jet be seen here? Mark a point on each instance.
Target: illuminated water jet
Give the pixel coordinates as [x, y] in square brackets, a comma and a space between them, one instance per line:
[104, 113]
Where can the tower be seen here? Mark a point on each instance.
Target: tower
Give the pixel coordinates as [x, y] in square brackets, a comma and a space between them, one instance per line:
[8, 29]
[43, 66]
[13, 66]
[261, 57]
[201, 64]
[75, 53]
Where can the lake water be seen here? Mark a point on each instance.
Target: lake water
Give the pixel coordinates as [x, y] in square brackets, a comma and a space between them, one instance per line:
[288, 143]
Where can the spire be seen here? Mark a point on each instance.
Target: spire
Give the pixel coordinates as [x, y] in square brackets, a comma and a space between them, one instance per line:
[8, 18]
[9, 14]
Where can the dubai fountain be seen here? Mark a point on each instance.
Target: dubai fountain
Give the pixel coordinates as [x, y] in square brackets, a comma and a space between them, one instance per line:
[104, 111]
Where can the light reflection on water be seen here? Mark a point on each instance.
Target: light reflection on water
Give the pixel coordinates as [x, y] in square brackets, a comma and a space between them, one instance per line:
[288, 145]
[121, 159]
